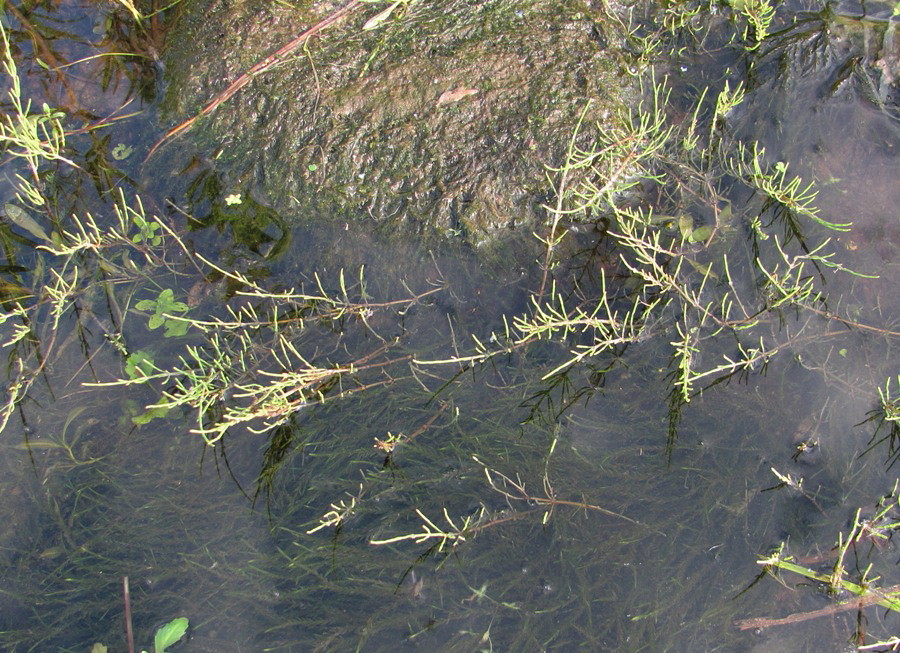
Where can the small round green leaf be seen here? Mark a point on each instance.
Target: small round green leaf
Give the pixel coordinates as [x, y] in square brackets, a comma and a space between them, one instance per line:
[701, 234]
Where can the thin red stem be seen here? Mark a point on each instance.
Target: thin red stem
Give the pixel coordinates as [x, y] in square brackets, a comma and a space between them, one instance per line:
[129, 634]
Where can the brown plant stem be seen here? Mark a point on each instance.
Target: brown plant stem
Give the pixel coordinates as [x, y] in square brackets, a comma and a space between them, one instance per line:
[828, 315]
[858, 603]
[129, 633]
[257, 69]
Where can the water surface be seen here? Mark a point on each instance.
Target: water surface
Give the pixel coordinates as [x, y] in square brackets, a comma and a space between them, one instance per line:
[689, 494]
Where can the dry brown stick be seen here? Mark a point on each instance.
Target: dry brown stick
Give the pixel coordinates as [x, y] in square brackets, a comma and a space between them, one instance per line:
[258, 68]
[129, 633]
[861, 602]
[424, 427]
[865, 327]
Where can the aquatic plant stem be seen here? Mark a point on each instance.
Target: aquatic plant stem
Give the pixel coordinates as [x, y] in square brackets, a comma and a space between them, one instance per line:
[129, 633]
[257, 69]
[797, 617]
[552, 238]
[828, 315]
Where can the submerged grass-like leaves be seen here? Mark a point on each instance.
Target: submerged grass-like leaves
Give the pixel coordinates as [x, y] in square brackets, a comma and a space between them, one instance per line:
[585, 536]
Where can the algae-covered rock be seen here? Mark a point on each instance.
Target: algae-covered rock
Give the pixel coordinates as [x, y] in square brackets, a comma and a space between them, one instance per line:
[444, 117]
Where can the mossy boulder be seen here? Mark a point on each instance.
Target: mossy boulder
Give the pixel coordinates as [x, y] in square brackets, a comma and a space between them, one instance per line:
[444, 118]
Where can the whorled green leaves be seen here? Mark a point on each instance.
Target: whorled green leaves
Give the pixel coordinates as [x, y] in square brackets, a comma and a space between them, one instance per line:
[163, 307]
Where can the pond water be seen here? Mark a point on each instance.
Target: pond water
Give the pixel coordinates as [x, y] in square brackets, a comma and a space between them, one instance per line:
[593, 509]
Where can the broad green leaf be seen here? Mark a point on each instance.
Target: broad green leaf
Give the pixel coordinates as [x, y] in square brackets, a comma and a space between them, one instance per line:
[98, 648]
[685, 226]
[726, 215]
[150, 415]
[176, 328]
[38, 444]
[701, 234]
[11, 291]
[52, 553]
[167, 304]
[139, 364]
[163, 304]
[19, 217]
[660, 219]
[169, 634]
[704, 269]
[71, 417]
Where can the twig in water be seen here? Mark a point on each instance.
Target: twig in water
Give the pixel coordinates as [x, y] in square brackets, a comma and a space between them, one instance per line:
[129, 633]
[857, 603]
[258, 68]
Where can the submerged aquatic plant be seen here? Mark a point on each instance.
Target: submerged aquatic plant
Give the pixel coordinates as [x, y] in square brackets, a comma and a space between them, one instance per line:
[250, 368]
[759, 15]
[165, 313]
[890, 402]
[672, 201]
[35, 137]
[887, 421]
[169, 634]
[676, 270]
[711, 246]
[865, 533]
[246, 367]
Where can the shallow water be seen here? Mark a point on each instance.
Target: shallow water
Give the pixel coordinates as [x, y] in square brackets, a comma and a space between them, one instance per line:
[222, 535]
